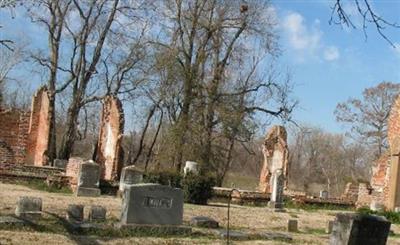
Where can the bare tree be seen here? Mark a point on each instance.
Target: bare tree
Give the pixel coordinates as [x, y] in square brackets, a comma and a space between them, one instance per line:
[369, 16]
[367, 117]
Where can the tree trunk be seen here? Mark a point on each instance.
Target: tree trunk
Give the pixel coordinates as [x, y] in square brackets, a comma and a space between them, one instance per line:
[68, 139]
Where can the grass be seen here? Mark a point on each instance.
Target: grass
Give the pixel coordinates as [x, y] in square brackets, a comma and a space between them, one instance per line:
[42, 186]
[316, 231]
[315, 207]
[392, 216]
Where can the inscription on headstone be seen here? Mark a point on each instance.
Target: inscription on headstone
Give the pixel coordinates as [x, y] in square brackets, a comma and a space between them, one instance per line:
[152, 204]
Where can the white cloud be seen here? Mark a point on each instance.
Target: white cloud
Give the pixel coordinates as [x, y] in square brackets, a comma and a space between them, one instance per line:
[300, 36]
[306, 40]
[331, 53]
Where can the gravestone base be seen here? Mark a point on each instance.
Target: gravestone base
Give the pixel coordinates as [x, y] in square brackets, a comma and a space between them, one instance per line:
[30, 215]
[276, 206]
[87, 192]
[156, 229]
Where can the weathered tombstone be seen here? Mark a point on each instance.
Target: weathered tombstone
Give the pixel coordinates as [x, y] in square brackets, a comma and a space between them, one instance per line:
[292, 225]
[329, 226]
[376, 206]
[29, 207]
[350, 228]
[75, 213]
[129, 176]
[97, 213]
[152, 204]
[397, 209]
[205, 222]
[323, 194]
[276, 201]
[88, 179]
[192, 167]
[275, 151]
[60, 163]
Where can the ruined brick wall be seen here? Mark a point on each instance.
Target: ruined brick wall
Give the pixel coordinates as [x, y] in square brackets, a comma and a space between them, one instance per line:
[365, 196]
[276, 153]
[351, 192]
[39, 129]
[14, 126]
[393, 197]
[109, 149]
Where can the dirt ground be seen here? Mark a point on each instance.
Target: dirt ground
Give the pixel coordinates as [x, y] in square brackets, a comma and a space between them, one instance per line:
[243, 218]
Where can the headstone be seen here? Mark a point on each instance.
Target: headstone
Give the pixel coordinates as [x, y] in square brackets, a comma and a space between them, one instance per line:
[204, 222]
[88, 179]
[29, 207]
[152, 204]
[323, 194]
[277, 191]
[376, 206]
[329, 226]
[397, 209]
[129, 176]
[292, 225]
[75, 213]
[192, 167]
[60, 163]
[351, 228]
[97, 213]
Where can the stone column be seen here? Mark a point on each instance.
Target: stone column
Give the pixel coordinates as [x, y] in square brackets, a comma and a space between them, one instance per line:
[278, 181]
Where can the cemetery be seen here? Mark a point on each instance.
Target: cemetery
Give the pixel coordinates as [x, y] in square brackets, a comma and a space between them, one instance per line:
[199, 122]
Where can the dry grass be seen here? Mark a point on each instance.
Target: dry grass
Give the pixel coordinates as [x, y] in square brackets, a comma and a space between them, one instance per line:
[249, 219]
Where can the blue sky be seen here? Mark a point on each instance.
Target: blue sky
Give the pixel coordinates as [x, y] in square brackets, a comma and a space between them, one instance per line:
[328, 63]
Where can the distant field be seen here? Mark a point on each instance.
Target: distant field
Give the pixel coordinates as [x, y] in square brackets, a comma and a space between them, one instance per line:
[243, 218]
[241, 181]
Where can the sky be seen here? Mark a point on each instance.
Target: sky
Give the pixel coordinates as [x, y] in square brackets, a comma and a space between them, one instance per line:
[328, 63]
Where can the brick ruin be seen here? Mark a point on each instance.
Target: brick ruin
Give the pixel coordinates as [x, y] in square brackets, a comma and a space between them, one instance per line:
[39, 129]
[393, 199]
[275, 151]
[24, 135]
[384, 187]
[109, 150]
[14, 127]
